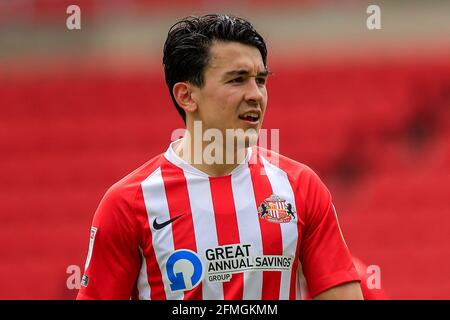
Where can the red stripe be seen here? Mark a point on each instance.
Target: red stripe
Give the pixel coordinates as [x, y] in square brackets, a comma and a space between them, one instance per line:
[154, 274]
[227, 229]
[178, 203]
[270, 231]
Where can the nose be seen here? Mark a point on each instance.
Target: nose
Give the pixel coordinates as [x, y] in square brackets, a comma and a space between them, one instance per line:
[254, 93]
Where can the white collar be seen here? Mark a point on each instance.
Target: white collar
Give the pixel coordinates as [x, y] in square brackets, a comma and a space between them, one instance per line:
[173, 158]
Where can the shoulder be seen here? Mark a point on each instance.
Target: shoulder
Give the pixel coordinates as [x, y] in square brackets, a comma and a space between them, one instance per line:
[297, 172]
[307, 186]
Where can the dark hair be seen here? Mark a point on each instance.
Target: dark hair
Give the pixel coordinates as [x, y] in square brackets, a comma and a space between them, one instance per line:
[186, 50]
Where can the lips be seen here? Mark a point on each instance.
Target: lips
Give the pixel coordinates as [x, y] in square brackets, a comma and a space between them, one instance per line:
[251, 116]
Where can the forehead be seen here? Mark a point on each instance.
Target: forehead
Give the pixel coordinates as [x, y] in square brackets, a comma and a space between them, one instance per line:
[227, 56]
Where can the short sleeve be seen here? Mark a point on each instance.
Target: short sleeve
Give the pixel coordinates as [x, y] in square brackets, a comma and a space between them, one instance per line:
[324, 255]
[113, 259]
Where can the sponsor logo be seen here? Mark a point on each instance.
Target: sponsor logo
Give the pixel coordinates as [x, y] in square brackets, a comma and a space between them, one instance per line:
[184, 270]
[158, 226]
[276, 209]
[84, 280]
[224, 261]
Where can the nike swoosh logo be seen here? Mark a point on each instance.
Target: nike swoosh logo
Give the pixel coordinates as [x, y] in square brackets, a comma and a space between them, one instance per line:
[158, 226]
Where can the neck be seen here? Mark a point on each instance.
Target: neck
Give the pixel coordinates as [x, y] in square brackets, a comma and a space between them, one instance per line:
[212, 158]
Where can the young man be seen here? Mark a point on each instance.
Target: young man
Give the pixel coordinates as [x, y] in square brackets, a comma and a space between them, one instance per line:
[217, 219]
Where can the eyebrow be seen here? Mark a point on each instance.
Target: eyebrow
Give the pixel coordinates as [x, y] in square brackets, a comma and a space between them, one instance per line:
[244, 72]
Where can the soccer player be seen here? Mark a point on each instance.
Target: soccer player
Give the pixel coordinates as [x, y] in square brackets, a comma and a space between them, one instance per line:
[218, 219]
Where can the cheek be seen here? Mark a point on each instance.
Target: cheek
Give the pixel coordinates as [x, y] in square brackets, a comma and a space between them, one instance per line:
[264, 93]
[220, 105]
[214, 109]
[264, 100]
[227, 101]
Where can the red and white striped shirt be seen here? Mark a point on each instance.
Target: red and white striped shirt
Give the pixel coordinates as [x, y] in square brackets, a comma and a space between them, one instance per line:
[170, 231]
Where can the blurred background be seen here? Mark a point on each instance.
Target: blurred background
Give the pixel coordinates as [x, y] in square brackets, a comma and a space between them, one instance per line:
[368, 110]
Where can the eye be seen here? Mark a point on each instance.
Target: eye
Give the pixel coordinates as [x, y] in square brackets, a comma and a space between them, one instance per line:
[237, 80]
[261, 80]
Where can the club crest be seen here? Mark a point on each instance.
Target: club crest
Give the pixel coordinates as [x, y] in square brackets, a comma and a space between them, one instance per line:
[276, 209]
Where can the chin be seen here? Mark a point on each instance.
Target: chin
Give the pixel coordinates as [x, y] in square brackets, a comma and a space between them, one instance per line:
[243, 136]
[252, 138]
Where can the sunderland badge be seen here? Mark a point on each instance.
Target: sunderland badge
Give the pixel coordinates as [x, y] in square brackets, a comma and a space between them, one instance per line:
[276, 209]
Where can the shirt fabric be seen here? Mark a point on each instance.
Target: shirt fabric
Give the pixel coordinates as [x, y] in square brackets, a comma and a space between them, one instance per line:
[170, 231]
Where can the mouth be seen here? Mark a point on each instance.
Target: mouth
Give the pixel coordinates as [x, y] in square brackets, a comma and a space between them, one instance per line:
[251, 117]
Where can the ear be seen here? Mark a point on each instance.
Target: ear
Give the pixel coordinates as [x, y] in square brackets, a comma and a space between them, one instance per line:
[182, 91]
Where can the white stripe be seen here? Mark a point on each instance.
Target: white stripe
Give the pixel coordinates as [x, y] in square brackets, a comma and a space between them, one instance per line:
[162, 240]
[249, 230]
[289, 233]
[273, 213]
[204, 227]
[142, 283]
[280, 205]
